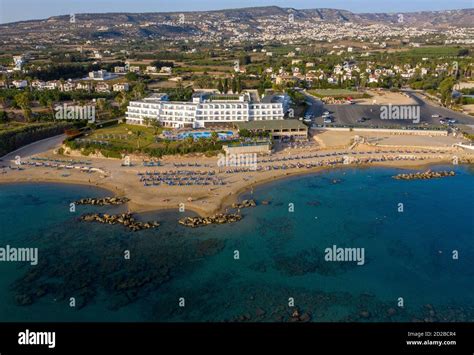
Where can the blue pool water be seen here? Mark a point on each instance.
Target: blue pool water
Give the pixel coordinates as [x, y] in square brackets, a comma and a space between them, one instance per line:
[408, 254]
[197, 135]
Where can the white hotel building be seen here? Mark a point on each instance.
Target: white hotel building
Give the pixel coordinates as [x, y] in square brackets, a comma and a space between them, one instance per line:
[207, 109]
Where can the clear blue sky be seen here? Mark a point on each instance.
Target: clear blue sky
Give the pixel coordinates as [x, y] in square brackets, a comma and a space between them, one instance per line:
[17, 10]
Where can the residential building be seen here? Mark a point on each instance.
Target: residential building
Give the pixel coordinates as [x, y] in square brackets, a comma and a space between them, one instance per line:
[121, 87]
[102, 87]
[20, 84]
[100, 75]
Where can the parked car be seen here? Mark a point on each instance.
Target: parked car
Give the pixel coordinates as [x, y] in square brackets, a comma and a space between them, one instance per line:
[435, 116]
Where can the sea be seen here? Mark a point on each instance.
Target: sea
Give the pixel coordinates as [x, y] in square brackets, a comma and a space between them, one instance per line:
[416, 238]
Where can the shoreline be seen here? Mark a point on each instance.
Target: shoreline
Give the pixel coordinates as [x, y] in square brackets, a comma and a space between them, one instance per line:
[226, 201]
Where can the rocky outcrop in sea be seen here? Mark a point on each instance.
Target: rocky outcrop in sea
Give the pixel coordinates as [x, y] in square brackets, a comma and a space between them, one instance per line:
[424, 175]
[215, 219]
[105, 201]
[125, 219]
[244, 204]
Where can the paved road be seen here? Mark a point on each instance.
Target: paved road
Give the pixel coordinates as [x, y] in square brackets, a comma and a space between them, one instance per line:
[35, 148]
[315, 106]
[430, 109]
[349, 114]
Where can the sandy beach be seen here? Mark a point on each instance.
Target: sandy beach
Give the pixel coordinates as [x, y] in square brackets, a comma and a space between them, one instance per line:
[208, 199]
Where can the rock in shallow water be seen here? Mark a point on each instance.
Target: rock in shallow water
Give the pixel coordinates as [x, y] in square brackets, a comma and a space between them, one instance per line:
[125, 219]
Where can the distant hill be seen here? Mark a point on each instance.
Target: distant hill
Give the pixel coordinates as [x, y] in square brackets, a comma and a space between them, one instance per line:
[254, 20]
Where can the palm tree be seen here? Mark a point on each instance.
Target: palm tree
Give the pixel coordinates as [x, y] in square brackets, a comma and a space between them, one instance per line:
[190, 140]
[146, 121]
[156, 125]
[103, 106]
[50, 105]
[214, 137]
[138, 134]
[122, 100]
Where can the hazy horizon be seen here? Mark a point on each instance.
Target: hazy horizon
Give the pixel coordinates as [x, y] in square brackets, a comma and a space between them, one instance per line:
[14, 10]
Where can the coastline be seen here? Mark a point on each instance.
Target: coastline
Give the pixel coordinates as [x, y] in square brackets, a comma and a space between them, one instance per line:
[229, 200]
[220, 203]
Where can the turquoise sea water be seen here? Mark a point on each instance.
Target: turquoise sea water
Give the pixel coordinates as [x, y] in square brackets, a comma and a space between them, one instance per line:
[281, 254]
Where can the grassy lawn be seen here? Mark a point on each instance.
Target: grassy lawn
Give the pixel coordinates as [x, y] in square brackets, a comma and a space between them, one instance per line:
[125, 135]
[335, 93]
[430, 52]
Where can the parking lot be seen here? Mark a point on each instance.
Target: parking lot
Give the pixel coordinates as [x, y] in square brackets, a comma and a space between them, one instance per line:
[349, 115]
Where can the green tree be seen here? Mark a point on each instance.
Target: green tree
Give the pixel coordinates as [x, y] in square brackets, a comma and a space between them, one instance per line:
[239, 85]
[3, 117]
[226, 86]
[214, 137]
[446, 89]
[138, 134]
[103, 107]
[138, 91]
[156, 125]
[220, 86]
[131, 77]
[23, 101]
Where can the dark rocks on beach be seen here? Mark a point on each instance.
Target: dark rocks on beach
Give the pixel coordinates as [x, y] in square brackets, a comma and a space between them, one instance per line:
[125, 219]
[106, 201]
[425, 175]
[220, 218]
[244, 204]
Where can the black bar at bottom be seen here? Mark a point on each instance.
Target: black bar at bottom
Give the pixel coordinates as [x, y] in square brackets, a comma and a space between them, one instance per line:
[134, 338]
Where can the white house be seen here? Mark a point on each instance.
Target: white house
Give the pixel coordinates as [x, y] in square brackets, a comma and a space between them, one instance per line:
[100, 75]
[121, 87]
[20, 84]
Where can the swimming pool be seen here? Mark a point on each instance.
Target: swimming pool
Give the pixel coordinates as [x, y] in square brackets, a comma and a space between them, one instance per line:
[197, 135]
